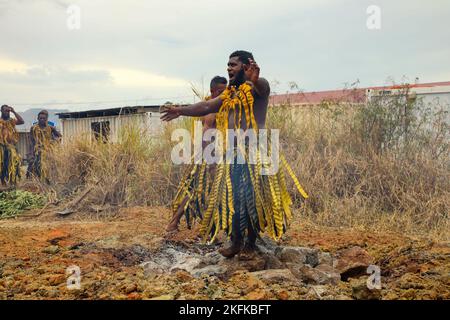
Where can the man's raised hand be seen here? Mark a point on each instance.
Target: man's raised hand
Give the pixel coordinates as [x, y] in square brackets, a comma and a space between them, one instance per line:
[252, 71]
[170, 113]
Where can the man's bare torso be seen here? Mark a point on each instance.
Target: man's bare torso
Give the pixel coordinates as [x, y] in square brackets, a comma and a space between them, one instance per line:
[259, 111]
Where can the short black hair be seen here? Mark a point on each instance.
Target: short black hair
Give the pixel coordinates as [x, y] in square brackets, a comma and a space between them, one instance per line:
[3, 106]
[218, 80]
[44, 112]
[243, 56]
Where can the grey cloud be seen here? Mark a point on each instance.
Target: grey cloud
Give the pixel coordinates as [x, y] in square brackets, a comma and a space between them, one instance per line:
[54, 75]
[319, 44]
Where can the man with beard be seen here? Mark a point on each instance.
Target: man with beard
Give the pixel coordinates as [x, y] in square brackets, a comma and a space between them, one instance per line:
[242, 202]
[217, 86]
[10, 160]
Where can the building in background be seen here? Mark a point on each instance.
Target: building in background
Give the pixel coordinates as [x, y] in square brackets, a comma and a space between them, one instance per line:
[436, 93]
[105, 124]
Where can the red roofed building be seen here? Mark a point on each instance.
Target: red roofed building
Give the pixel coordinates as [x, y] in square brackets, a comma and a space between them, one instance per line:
[428, 91]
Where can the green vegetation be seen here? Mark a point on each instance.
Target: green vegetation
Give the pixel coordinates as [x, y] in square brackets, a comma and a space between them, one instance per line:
[13, 203]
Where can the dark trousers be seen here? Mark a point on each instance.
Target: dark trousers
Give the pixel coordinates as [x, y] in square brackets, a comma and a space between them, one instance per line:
[244, 204]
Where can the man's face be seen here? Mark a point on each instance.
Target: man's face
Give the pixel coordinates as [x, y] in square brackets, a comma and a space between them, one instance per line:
[5, 112]
[42, 119]
[236, 71]
[217, 89]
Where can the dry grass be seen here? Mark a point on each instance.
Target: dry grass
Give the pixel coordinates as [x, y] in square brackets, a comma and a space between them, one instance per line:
[366, 176]
[381, 167]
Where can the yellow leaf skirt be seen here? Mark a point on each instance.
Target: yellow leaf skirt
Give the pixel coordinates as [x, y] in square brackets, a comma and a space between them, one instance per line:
[10, 161]
[234, 197]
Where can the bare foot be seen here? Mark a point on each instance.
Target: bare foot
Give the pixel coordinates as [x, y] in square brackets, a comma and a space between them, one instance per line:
[231, 251]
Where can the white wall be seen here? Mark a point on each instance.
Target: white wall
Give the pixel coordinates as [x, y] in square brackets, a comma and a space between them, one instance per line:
[146, 121]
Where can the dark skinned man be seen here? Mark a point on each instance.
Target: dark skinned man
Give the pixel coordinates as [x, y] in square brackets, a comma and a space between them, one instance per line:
[10, 160]
[217, 86]
[242, 202]
[42, 136]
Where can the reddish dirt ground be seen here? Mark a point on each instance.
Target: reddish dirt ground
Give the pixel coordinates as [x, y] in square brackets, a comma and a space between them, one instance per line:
[35, 253]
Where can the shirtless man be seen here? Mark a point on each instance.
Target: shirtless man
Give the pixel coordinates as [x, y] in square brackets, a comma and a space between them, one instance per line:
[217, 86]
[241, 69]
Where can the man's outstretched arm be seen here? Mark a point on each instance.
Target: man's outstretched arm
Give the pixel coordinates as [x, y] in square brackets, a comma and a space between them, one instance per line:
[198, 109]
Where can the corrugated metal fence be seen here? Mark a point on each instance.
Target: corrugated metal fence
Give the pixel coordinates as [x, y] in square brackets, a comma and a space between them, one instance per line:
[74, 127]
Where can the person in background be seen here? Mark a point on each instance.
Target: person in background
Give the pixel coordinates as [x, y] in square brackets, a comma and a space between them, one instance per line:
[10, 159]
[217, 85]
[42, 136]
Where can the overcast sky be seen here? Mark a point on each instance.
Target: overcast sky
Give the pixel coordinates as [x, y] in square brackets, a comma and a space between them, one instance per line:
[147, 52]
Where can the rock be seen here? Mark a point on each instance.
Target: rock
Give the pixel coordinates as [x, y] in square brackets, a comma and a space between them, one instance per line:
[247, 283]
[360, 291]
[254, 262]
[188, 264]
[55, 280]
[51, 250]
[211, 270]
[352, 262]
[275, 276]
[330, 274]
[298, 255]
[154, 291]
[258, 294]
[317, 292]
[272, 262]
[214, 291]
[152, 268]
[282, 295]
[212, 258]
[323, 274]
[183, 276]
[325, 258]
[130, 288]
